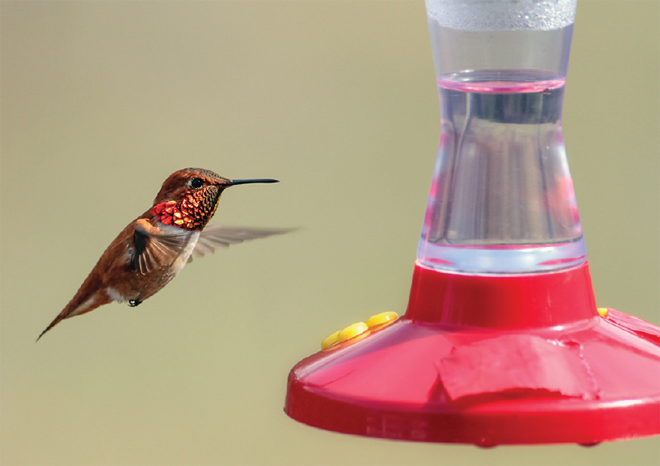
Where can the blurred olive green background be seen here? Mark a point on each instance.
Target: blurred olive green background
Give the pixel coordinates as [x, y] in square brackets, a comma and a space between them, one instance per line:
[101, 101]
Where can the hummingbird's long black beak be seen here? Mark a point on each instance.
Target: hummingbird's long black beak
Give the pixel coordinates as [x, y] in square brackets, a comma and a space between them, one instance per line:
[257, 180]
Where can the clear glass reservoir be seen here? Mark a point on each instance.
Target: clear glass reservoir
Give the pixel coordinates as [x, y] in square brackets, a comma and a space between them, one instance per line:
[502, 198]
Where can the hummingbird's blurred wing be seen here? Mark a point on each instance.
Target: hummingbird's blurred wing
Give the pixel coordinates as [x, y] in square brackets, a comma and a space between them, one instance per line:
[217, 236]
[155, 249]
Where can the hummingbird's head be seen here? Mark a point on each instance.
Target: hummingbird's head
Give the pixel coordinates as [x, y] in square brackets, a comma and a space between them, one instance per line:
[189, 197]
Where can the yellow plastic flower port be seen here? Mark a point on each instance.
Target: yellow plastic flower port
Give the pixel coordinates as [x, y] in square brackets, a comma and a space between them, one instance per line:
[359, 329]
[602, 311]
[382, 318]
[352, 331]
[346, 334]
[330, 340]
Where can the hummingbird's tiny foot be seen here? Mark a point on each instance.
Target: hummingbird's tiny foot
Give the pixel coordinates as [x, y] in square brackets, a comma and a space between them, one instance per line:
[134, 302]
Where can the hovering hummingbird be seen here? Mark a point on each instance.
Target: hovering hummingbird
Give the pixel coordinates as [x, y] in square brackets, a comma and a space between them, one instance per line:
[154, 248]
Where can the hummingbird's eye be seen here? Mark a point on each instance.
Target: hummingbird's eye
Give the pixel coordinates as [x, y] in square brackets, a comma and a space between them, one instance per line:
[195, 183]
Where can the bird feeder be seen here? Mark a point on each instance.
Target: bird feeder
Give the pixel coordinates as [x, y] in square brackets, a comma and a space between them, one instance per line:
[502, 341]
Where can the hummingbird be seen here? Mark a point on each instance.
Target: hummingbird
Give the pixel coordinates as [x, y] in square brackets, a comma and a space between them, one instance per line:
[155, 247]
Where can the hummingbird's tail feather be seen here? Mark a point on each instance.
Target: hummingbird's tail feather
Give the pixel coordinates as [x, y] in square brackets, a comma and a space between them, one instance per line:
[89, 297]
[52, 324]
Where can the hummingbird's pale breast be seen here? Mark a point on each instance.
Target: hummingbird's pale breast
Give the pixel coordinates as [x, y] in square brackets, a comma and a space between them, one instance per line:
[186, 251]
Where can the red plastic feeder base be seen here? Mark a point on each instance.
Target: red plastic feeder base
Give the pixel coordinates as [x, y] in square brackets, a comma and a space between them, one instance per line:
[486, 360]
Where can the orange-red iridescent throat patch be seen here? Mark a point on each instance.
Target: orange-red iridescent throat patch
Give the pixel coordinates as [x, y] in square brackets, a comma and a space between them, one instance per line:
[192, 213]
